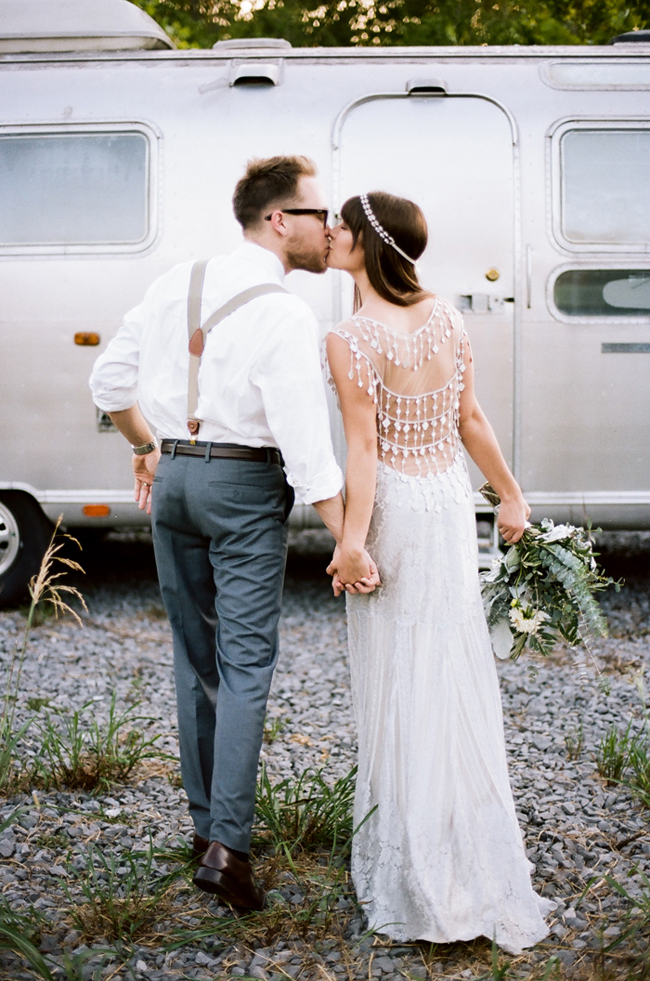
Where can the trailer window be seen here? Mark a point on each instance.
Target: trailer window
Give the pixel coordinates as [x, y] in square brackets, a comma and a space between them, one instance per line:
[606, 186]
[603, 292]
[73, 189]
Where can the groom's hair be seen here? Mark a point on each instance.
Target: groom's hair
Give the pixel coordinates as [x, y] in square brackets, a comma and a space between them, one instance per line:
[266, 183]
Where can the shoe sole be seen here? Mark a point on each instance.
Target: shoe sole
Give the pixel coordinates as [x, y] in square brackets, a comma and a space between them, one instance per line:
[212, 881]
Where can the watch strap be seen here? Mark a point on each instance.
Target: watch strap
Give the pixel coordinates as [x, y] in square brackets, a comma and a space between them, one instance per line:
[145, 448]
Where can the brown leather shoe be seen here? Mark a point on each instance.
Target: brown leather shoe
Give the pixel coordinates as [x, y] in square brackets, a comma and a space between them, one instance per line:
[223, 874]
[199, 846]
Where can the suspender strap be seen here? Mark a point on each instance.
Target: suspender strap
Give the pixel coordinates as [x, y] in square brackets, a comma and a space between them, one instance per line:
[198, 332]
[196, 341]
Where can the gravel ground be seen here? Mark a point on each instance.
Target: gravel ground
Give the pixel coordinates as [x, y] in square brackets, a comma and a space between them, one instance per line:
[577, 828]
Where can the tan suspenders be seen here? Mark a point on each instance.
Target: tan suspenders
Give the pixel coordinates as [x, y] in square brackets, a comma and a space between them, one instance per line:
[198, 332]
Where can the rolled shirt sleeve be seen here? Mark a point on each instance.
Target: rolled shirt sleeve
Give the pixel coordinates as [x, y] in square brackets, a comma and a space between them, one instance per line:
[290, 379]
[115, 376]
[114, 379]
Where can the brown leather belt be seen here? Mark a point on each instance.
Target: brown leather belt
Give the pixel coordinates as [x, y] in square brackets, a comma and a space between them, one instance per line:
[223, 451]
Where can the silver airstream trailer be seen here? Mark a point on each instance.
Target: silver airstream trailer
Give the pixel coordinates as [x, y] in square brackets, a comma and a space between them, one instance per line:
[118, 156]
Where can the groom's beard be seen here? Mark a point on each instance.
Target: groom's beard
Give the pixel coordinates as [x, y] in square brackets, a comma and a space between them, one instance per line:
[312, 259]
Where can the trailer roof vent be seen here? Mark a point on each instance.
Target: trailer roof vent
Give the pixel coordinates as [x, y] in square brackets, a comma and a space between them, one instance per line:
[426, 86]
[254, 73]
[28, 26]
[640, 37]
[252, 43]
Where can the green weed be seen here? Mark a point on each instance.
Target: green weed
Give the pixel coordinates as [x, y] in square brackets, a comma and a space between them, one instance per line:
[18, 931]
[78, 752]
[272, 731]
[613, 754]
[46, 592]
[306, 814]
[639, 767]
[77, 966]
[120, 901]
[36, 704]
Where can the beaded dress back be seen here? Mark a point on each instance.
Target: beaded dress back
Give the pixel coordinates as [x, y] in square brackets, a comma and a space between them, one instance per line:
[415, 380]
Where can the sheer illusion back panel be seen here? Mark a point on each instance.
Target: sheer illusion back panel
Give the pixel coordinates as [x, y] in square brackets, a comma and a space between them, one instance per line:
[415, 380]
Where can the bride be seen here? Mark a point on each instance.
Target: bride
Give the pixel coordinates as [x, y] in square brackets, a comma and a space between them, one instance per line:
[441, 857]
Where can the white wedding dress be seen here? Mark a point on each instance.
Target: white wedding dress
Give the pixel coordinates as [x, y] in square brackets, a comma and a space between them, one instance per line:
[441, 856]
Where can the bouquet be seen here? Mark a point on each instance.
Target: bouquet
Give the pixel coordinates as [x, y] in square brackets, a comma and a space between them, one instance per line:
[543, 589]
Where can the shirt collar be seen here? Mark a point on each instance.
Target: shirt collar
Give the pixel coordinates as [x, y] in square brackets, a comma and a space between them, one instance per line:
[262, 257]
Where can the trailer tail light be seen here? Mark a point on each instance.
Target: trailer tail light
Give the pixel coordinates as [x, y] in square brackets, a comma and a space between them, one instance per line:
[87, 338]
[96, 510]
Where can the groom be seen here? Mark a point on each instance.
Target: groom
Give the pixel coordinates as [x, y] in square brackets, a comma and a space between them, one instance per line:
[225, 470]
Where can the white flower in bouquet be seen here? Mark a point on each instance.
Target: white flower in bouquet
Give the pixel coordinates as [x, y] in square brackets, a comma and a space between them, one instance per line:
[526, 620]
[556, 533]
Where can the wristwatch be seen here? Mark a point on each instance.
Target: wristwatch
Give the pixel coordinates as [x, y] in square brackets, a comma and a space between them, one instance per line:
[145, 448]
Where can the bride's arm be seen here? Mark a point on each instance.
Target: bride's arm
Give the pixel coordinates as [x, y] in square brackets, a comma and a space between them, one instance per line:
[481, 444]
[359, 420]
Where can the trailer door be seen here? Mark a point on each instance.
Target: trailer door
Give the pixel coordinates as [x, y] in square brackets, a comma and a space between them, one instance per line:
[454, 157]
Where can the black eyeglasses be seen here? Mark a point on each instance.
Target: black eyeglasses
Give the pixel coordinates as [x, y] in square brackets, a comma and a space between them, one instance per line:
[302, 211]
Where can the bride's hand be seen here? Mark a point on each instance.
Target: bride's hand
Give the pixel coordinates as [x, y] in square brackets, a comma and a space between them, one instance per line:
[513, 519]
[366, 584]
[353, 571]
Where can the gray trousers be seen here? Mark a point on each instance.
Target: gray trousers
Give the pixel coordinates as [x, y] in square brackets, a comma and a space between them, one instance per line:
[220, 538]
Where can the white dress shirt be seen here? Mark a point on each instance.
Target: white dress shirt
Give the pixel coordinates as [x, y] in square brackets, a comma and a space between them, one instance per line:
[260, 380]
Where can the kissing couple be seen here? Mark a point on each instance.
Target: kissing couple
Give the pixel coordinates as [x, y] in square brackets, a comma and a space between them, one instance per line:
[215, 381]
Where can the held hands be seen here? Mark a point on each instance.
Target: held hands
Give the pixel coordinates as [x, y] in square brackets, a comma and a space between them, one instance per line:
[513, 518]
[353, 571]
[144, 468]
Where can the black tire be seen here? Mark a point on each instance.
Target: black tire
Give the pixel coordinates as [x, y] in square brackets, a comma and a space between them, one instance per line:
[25, 533]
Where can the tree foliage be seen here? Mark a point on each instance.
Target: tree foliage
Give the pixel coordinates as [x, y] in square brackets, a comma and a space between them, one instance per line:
[200, 23]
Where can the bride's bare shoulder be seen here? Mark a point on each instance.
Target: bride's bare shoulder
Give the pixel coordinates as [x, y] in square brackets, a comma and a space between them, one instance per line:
[451, 312]
[348, 330]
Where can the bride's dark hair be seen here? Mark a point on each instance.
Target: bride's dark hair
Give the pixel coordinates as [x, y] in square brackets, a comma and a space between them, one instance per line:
[390, 274]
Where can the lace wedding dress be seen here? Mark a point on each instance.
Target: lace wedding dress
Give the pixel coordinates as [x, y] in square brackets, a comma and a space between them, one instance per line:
[441, 856]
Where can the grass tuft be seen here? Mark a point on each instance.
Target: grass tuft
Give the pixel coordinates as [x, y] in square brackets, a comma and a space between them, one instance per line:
[272, 731]
[613, 754]
[120, 902]
[19, 932]
[47, 594]
[79, 753]
[306, 814]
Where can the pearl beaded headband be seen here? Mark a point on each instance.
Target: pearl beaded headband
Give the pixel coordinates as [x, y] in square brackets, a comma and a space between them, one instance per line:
[381, 231]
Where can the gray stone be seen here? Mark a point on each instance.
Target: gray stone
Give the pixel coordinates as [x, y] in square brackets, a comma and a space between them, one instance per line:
[385, 964]
[418, 971]
[258, 972]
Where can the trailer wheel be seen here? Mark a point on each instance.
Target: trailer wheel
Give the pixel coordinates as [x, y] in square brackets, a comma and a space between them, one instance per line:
[25, 533]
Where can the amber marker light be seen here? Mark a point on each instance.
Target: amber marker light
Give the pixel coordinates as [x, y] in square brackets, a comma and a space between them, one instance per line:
[96, 510]
[86, 338]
